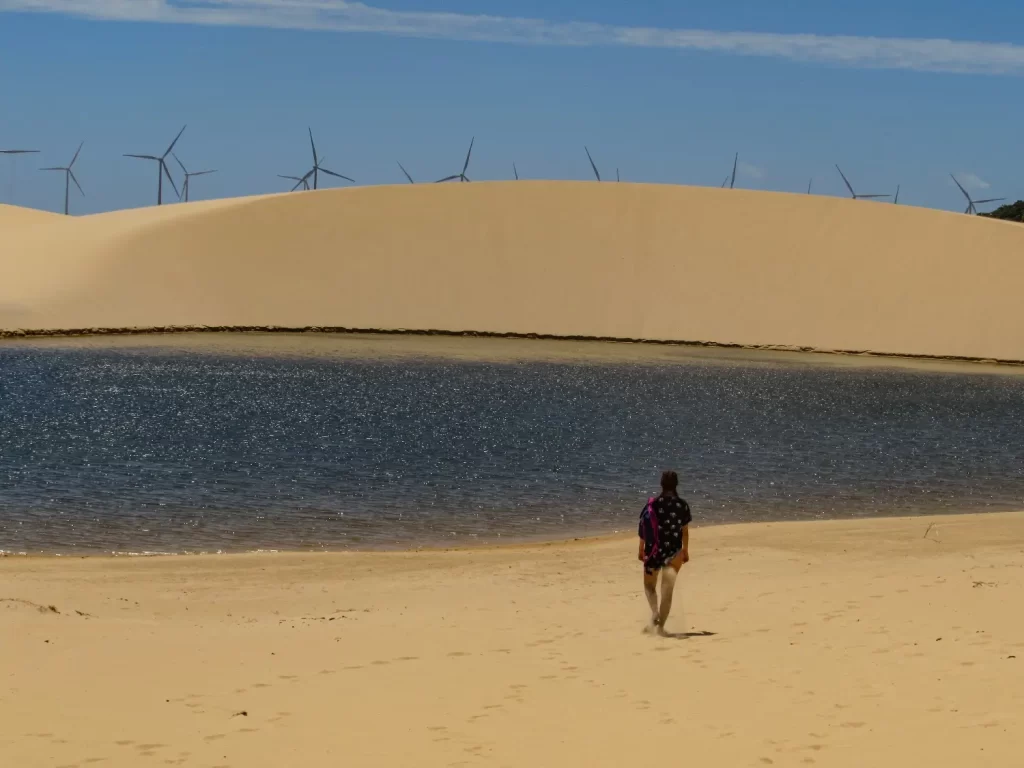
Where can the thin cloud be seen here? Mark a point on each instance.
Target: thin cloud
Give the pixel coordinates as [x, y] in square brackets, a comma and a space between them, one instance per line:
[918, 54]
[750, 171]
[972, 181]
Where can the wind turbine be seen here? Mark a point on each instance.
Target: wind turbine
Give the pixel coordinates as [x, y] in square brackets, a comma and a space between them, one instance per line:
[13, 153]
[465, 167]
[972, 204]
[617, 175]
[184, 170]
[162, 168]
[300, 181]
[515, 171]
[406, 173]
[592, 164]
[809, 185]
[69, 176]
[317, 169]
[853, 194]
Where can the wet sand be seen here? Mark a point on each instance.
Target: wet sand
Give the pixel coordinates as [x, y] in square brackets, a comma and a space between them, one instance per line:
[845, 643]
[387, 346]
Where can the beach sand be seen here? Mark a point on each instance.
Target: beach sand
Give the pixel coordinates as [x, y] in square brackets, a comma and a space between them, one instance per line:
[635, 261]
[893, 642]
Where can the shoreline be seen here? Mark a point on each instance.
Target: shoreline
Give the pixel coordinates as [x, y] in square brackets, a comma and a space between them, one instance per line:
[573, 542]
[29, 333]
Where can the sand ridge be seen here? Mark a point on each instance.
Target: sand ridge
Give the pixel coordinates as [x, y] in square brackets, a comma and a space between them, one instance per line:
[842, 643]
[572, 259]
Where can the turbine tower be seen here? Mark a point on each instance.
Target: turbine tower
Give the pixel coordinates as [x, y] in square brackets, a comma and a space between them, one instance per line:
[809, 183]
[465, 167]
[853, 194]
[896, 201]
[184, 170]
[406, 173]
[317, 168]
[69, 176]
[515, 171]
[735, 164]
[972, 205]
[162, 169]
[593, 165]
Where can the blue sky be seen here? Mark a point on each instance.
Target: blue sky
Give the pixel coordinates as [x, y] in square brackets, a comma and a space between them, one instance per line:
[895, 92]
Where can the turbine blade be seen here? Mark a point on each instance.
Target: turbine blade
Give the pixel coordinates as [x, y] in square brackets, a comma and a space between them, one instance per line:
[735, 163]
[76, 154]
[406, 173]
[313, 146]
[144, 157]
[337, 175]
[175, 141]
[592, 164]
[201, 173]
[72, 175]
[961, 187]
[990, 200]
[300, 183]
[871, 197]
[897, 200]
[515, 171]
[170, 178]
[448, 178]
[181, 164]
[19, 151]
[53, 169]
[847, 183]
[465, 167]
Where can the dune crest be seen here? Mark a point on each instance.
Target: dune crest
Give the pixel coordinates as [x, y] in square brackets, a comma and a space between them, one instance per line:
[630, 261]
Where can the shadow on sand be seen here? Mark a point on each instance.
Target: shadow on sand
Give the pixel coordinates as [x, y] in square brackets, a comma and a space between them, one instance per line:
[686, 635]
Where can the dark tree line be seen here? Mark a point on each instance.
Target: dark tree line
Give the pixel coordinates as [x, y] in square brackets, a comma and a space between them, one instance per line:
[1010, 212]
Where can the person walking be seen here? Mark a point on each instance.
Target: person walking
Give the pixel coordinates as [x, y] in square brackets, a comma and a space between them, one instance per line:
[664, 546]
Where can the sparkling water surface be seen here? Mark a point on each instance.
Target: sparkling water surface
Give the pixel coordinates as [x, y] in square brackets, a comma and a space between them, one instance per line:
[156, 446]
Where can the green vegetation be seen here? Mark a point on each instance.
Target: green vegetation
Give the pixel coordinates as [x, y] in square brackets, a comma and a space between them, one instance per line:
[1011, 212]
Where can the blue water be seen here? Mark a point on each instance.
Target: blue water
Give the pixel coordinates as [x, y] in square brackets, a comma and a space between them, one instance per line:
[167, 450]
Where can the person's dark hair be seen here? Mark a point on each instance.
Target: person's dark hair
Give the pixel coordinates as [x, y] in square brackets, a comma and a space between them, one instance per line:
[669, 483]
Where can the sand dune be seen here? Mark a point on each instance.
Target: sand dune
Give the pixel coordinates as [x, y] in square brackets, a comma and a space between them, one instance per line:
[865, 643]
[561, 258]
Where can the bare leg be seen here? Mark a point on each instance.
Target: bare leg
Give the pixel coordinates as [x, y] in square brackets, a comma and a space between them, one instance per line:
[650, 590]
[668, 585]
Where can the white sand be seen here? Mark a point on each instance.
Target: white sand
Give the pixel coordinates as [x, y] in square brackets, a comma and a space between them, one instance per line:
[868, 643]
[564, 258]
